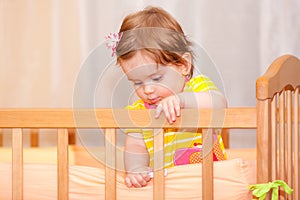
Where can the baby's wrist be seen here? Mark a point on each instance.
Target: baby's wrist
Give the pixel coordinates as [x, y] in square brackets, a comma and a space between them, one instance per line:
[140, 169]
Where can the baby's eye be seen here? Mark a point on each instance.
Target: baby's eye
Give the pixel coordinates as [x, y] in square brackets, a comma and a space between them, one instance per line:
[137, 83]
[157, 78]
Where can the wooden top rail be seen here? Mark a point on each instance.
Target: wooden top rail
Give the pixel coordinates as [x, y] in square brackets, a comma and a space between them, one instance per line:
[114, 118]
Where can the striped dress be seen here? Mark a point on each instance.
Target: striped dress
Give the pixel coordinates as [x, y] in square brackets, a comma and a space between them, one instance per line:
[183, 146]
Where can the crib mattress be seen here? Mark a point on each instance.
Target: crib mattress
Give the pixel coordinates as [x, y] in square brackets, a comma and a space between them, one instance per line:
[79, 155]
[231, 180]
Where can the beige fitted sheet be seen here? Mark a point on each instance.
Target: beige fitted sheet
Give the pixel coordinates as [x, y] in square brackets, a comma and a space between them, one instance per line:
[232, 177]
[93, 156]
[231, 180]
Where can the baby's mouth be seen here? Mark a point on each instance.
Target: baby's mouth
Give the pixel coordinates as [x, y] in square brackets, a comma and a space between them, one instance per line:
[154, 100]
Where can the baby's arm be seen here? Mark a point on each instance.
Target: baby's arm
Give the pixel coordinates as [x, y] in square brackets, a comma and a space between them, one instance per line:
[171, 105]
[210, 99]
[136, 159]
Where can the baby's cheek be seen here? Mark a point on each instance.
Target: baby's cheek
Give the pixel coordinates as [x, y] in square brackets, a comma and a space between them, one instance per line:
[173, 85]
[140, 92]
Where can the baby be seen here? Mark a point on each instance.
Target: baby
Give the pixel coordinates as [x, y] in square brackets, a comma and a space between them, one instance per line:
[157, 58]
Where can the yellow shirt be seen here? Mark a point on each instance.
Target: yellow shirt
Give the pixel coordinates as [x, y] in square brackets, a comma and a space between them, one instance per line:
[183, 146]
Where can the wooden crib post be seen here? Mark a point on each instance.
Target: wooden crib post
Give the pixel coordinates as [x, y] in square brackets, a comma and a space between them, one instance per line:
[207, 165]
[17, 164]
[264, 142]
[264, 138]
[63, 164]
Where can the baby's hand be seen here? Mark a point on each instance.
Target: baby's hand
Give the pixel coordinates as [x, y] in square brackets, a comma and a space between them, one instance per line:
[138, 178]
[171, 107]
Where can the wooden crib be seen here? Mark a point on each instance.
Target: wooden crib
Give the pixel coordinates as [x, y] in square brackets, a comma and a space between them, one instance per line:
[276, 119]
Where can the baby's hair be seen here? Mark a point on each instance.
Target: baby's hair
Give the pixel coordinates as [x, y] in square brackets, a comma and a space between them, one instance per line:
[155, 32]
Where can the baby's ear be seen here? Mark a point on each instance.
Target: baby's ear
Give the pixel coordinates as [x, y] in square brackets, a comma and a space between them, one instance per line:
[186, 68]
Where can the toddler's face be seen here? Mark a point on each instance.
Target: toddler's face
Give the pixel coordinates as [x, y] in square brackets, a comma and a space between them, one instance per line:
[153, 82]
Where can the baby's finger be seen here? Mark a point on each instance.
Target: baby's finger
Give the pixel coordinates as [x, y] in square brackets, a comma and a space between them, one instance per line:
[141, 181]
[146, 177]
[177, 108]
[167, 113]
[135, 183]
[158, 110]
[172, 111]
[128, 182]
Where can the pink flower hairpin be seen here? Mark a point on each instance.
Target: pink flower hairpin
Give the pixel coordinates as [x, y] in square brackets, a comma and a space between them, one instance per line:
[112, 41]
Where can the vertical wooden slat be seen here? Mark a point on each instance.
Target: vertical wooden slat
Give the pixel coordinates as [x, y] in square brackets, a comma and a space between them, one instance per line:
[207, 165]
[289, 165]
[17, 162]
[110, 167]
[1, 137]
[296, 187]
[226, 138]
[159, 179]
[34, 137]
[274, 137]
[72, 136]
[63, 164]
[281, 137]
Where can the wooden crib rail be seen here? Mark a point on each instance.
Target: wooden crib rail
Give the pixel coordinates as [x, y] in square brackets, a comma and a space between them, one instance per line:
[63, 119]
[241, 117]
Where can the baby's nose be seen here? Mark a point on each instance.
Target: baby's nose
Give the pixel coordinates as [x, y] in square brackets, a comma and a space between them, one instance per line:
[148, 88]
